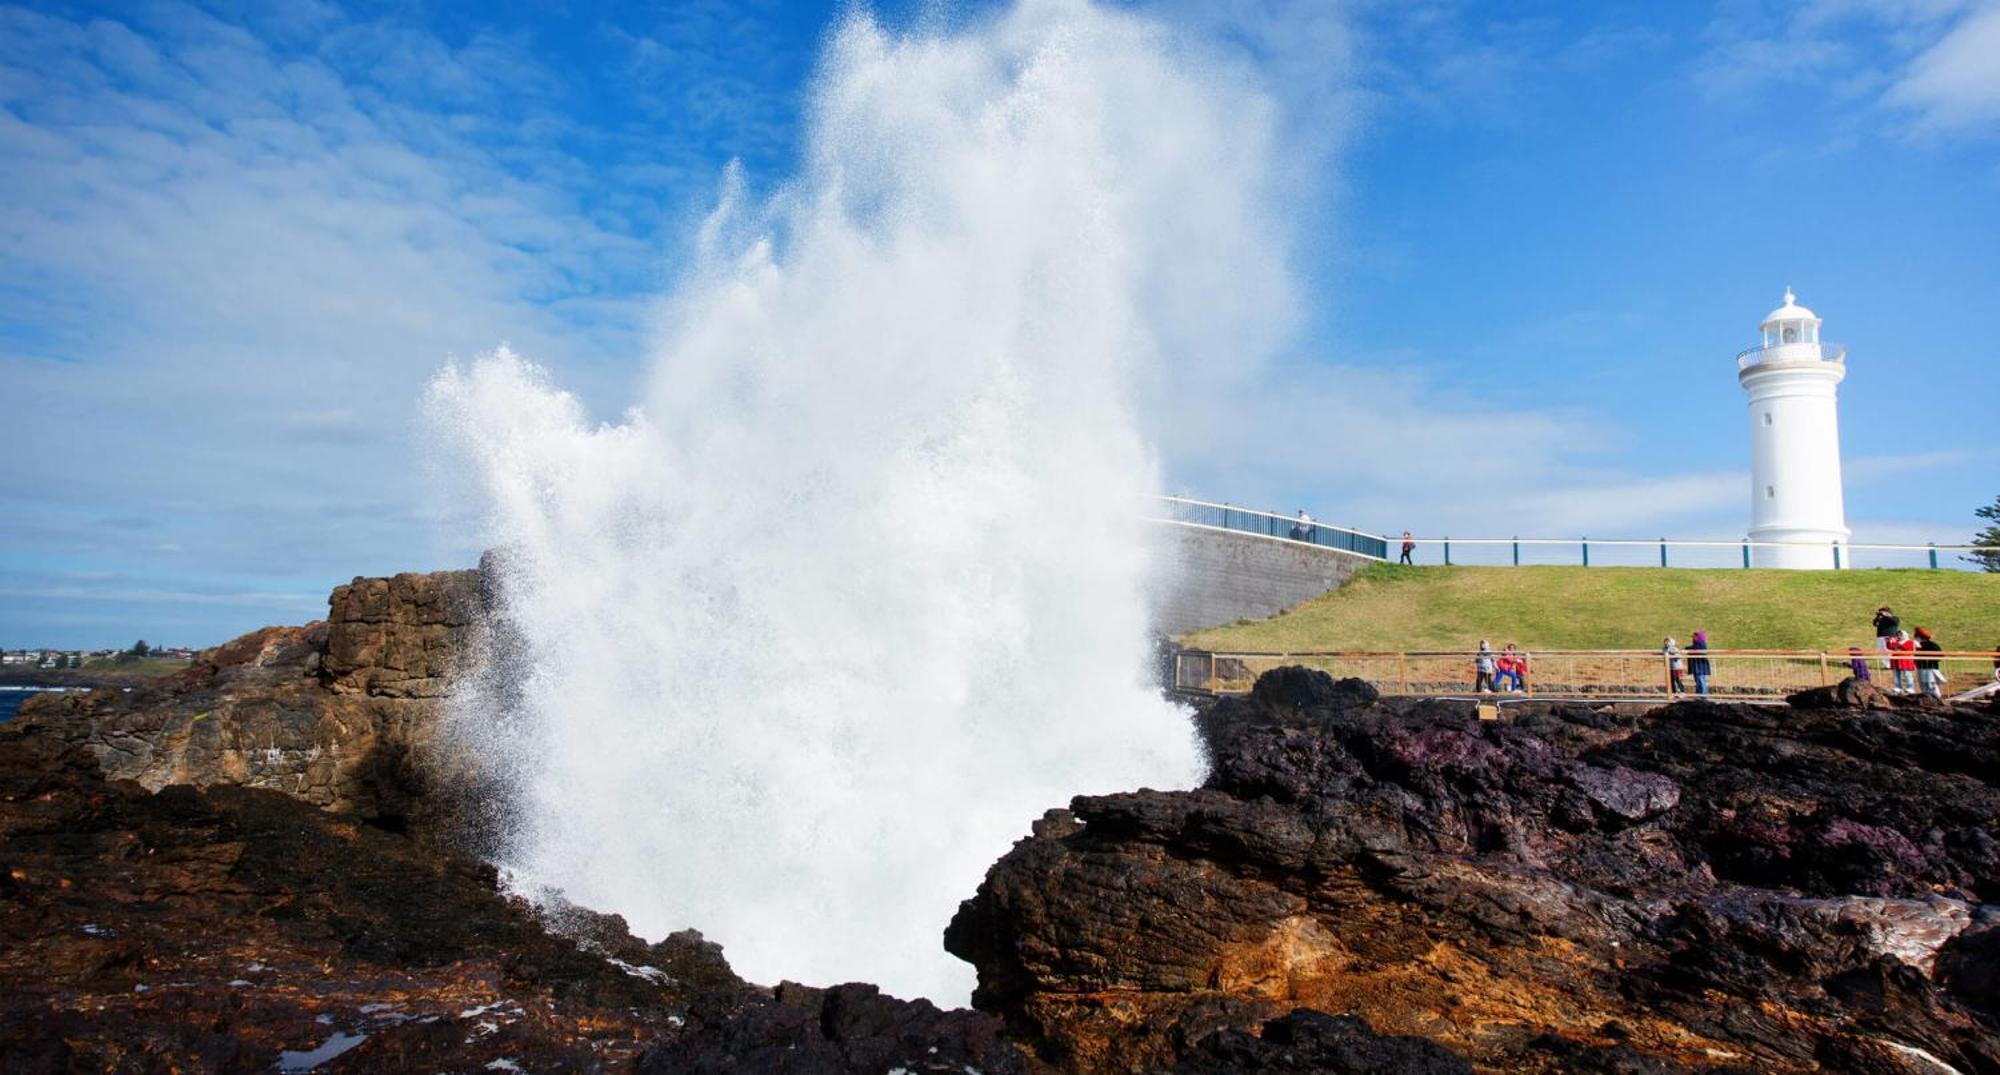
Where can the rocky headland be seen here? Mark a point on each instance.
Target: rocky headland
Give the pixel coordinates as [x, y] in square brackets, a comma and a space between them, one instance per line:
[1702, 888]
[338, 713]
[256, 866]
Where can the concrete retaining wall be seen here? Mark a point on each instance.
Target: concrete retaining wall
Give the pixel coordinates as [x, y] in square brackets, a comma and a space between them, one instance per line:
[1220, 576]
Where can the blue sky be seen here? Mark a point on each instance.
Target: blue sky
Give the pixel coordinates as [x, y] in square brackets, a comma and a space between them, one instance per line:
[235, 241]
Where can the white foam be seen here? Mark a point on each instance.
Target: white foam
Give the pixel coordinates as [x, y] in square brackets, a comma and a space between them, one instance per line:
[811, 636]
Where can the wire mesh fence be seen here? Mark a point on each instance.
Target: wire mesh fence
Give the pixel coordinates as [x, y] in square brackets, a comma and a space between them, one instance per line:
[1607, 674]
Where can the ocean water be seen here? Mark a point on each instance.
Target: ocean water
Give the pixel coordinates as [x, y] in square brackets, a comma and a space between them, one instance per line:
[11, 699]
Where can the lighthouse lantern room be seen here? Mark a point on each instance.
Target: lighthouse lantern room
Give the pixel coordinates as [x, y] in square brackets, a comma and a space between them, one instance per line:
[1795, 491]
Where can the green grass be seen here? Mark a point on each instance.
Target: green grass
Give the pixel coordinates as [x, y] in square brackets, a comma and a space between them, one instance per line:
[139, 668]
[1389, 607]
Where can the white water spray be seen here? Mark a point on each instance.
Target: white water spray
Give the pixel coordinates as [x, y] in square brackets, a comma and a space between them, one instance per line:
[859, 591]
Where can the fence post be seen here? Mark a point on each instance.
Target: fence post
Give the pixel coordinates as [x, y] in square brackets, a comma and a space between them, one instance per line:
[1586, 552]
[1823, 673]
[1517, 550]
[1746, 553]
[1933, 556]
[1447, 552]
[1663, 552]
[1402, 673]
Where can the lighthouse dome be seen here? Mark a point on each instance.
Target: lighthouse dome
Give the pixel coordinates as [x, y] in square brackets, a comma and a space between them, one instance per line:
[1790, 311]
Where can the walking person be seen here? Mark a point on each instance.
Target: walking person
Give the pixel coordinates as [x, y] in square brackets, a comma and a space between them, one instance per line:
[1904, 667]
[1930, 674]
[1886, 626]
[1676, 666]
[1409, 546]
[1300, 525]
[1698, 665]
[1483, 668]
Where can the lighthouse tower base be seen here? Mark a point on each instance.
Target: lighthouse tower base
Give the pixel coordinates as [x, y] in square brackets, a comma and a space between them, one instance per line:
[1805, 550]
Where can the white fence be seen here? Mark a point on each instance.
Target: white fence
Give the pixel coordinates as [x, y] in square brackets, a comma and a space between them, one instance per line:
[1585, 551]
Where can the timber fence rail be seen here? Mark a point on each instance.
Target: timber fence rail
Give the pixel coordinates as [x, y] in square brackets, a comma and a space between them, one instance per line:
[1586, 551]
[1739, 674]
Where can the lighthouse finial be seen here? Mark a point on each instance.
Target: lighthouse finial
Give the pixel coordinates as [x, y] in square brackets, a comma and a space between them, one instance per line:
[1790, 299]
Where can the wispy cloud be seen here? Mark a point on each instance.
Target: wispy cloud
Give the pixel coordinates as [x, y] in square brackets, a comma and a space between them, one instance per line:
[1923, 67]
[1956, 82]
[232, 252]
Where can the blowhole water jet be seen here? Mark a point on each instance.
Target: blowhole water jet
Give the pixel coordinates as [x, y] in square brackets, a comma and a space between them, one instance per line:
[804, 643]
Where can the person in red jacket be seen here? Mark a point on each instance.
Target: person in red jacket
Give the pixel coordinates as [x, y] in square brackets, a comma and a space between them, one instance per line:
[1904, 666]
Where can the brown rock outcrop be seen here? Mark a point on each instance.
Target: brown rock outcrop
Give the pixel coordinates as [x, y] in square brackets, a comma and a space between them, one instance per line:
[335, 713]
[400, 637]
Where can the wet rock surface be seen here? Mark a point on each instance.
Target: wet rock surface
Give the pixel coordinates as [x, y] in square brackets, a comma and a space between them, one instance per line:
[1706, 887]
[238, 929]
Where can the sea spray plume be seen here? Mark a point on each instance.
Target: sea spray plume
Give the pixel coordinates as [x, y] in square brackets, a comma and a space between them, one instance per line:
[860, 590]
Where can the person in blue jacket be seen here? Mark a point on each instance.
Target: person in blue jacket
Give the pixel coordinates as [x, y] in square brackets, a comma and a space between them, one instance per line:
[1698, 665]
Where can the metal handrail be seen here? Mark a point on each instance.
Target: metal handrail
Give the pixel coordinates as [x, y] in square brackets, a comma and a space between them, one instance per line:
[1271, 525]
[1868, 652]
[1717, 543]
[1268, 524]
[1269, 515]
[1828, 352]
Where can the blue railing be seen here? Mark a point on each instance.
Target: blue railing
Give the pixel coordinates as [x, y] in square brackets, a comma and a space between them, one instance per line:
[1283, 527]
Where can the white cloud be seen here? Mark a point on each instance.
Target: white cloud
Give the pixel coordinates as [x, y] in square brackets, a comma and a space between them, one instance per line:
[1932, 65]
[1956, 82]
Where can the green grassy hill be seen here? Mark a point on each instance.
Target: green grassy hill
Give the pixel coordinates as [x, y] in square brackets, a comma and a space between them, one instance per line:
[1391, 608]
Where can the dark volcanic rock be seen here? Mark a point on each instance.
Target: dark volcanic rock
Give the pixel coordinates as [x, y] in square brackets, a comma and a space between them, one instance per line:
[1311, 1043]
[219, 930]
[1705, 887]
[848, 1028]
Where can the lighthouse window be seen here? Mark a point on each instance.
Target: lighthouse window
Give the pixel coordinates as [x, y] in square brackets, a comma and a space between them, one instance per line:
[1770, 492]
[1767, 417]
[1791, 334]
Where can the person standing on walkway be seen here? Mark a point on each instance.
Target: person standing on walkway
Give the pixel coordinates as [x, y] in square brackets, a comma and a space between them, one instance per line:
[1676, 666]
[1698, 665]
[1903, 666]
[1482, 668]
[1409, 546]
[1299, 526]
[1886, 626]
[1930, 674]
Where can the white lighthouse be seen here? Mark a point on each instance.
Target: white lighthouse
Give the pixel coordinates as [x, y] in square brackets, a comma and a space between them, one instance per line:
[1795, 495]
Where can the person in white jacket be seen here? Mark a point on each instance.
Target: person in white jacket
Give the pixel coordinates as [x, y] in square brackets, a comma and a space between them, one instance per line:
[1676, 666]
